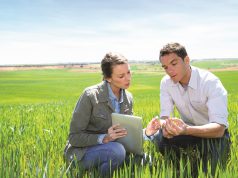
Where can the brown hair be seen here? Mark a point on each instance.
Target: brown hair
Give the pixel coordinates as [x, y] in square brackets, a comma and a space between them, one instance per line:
[173, 48]
[109, 61]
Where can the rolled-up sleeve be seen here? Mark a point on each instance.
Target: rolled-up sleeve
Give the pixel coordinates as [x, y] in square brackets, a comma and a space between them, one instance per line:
[217, 103]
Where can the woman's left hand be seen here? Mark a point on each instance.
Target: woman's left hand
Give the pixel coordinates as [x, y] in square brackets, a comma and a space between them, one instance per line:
[153, 126]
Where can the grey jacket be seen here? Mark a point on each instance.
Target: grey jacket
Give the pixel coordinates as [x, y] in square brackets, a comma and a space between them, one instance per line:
[92, 117]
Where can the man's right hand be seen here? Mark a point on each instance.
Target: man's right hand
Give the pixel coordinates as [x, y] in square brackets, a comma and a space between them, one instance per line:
[166, 134]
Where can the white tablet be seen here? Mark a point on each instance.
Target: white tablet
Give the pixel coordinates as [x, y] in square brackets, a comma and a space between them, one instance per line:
[133, 141]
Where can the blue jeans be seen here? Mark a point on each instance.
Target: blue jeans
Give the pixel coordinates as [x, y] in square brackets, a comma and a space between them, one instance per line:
[105, 157]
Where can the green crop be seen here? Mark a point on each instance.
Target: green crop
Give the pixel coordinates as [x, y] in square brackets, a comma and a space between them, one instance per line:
[35, 113]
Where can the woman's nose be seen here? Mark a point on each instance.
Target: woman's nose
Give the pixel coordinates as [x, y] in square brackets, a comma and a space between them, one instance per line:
[128, 77]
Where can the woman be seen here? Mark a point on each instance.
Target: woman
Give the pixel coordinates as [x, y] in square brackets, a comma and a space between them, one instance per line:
[92, 135]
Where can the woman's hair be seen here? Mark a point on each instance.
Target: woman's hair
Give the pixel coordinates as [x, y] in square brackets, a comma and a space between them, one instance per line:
[173, 48]
[109, 61]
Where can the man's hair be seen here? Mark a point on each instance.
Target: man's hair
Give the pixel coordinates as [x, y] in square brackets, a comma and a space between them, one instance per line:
[109, 61]
[173, 48]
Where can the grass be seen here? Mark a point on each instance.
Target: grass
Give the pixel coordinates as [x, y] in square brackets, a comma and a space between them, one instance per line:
[215, 64]
[36, 108]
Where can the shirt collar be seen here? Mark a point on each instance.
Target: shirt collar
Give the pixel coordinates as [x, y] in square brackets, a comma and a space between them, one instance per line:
[192, 81]
[112, 95]
[194, 78]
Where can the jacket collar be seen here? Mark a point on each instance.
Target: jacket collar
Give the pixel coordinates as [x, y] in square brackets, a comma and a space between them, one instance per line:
[125, 109]
[103, 96]
[103, 92]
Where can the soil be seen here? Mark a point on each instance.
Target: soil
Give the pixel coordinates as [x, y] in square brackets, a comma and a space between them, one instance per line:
[77, 68]
[80, 68]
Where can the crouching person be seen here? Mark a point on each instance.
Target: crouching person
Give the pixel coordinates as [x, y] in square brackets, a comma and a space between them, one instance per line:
[92, 135]
[201, 101]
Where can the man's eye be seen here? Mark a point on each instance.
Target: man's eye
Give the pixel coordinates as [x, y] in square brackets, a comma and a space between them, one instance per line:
[174, 64]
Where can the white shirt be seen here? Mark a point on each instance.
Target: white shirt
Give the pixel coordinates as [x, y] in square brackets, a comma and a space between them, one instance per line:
[203, 101]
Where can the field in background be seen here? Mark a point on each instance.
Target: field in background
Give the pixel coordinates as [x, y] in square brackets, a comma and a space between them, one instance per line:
[36, 108]
[152, 66]
[216, 64]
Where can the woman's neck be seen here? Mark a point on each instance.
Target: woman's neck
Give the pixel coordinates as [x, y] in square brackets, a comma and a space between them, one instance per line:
[116, 91]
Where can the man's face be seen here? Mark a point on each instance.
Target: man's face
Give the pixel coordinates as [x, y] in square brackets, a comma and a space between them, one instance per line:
[176, 67]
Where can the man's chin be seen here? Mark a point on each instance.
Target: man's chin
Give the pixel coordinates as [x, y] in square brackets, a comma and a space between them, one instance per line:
[174, 80]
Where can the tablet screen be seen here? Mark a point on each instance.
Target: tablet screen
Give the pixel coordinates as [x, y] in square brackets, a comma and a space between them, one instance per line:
[133, 141]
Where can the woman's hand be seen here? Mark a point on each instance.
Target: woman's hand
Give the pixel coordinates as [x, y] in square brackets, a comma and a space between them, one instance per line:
[114, 132]
[153, 126]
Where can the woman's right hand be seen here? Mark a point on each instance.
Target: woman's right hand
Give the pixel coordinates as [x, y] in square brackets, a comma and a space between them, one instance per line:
[114, 132]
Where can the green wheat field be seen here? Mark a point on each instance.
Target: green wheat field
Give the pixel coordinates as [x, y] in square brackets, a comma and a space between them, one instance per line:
[36, 108]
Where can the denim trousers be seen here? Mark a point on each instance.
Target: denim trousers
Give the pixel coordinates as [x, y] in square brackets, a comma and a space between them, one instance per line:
[105, 157]
[214, 150]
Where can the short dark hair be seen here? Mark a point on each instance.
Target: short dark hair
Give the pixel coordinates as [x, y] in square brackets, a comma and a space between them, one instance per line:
[109, 61]
[173, 48]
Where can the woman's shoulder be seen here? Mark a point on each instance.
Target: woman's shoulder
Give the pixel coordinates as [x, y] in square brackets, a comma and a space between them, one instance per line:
[129, 95]
[100, 87]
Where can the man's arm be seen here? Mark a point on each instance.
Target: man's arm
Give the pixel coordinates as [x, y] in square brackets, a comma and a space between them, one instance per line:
[211, 130]
[176, 127]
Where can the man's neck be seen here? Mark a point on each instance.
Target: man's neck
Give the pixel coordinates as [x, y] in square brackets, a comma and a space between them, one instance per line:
[186, 79]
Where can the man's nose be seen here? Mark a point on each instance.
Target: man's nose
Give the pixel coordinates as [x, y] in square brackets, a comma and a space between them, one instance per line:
[170, 70]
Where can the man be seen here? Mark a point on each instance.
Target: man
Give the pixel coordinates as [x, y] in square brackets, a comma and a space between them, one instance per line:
[201, 101]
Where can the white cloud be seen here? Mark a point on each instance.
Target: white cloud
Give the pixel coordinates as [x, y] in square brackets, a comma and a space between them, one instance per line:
[136, 34]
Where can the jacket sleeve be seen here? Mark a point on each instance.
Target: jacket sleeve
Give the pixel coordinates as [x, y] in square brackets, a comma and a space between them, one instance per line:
[79, 137]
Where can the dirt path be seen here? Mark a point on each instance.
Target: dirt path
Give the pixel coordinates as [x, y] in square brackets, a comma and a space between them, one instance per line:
[225, 69]
[80, 68]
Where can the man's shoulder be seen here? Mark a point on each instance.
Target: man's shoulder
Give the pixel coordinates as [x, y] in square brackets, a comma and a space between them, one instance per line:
[208, 81]
[204, 75]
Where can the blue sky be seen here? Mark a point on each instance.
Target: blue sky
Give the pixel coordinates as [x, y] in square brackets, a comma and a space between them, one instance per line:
[58, 31]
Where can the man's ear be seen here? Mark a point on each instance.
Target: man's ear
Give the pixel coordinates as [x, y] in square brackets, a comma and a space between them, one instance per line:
[187, 60]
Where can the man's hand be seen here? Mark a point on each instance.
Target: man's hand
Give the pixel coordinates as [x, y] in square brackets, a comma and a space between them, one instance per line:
[166, 134]
[153, 126]
[114, 132]
[174, 127]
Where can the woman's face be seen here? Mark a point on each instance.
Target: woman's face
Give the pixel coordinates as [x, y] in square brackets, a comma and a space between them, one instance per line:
[121, 77]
